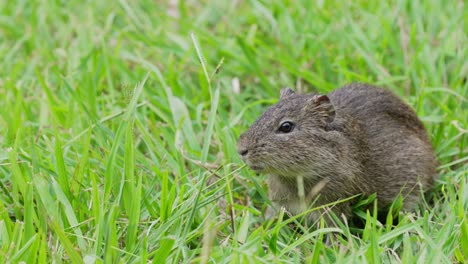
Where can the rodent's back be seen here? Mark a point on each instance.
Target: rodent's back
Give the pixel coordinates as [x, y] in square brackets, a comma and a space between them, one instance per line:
[374, 106]
[400, 152]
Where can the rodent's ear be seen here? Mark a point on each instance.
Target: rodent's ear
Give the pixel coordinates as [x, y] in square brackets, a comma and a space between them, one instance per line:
[318, 98]
[286, 92]
[322, 104]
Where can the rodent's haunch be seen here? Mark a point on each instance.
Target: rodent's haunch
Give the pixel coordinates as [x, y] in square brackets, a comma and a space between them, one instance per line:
[358, 139]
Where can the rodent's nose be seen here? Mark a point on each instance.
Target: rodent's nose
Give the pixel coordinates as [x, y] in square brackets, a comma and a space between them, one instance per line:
[242, 151]
[242, 146]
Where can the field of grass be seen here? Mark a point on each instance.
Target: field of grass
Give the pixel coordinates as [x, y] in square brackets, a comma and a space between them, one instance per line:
[119, 122]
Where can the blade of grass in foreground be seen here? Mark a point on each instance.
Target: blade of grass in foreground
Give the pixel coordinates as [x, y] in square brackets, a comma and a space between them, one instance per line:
[116, 186]
[132, 192]
[66, 243]
[62, 175]
[208, 133]
[109, 184]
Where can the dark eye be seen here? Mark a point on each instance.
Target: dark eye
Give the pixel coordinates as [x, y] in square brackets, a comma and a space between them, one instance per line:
[286, 127]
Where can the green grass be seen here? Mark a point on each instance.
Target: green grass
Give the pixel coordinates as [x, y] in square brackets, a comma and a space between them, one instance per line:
[119, 121]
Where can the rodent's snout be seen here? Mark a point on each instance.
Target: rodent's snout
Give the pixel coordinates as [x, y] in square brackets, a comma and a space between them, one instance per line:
[242, 147]
[242, 151]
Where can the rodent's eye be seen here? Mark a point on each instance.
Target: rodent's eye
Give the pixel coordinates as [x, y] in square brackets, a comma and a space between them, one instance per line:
[286, 127]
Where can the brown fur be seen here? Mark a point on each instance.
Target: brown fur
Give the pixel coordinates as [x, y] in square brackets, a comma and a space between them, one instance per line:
[357, 140]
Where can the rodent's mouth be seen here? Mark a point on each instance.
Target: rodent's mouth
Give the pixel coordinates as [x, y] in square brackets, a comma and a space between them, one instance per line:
[255, 165]
[256, 168]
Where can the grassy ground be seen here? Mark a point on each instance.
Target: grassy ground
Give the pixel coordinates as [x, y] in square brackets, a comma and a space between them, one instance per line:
[119, 121]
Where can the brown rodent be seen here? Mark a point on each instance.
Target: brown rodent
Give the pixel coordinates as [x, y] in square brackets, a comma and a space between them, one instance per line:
[358, 139]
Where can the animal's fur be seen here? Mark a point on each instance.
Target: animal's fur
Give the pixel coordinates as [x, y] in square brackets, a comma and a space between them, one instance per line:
[357, 140]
